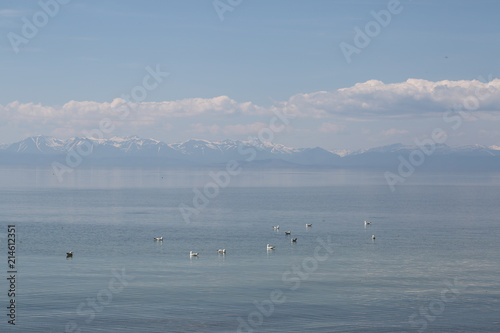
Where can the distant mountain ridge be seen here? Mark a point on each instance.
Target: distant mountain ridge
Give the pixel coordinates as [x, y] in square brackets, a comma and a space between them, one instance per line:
[135, 151]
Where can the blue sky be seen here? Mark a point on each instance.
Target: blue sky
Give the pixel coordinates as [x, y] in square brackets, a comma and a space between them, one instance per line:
[227, 76]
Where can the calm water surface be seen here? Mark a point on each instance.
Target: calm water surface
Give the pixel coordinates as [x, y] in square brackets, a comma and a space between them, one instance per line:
[434, 265]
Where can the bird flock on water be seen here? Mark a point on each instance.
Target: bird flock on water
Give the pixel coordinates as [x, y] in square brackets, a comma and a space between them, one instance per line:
[223, 251]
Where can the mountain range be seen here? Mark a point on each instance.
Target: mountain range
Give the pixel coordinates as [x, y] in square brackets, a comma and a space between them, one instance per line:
[135, 151]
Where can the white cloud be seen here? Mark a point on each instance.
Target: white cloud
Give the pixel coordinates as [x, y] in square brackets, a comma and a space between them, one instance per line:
[88, 113]
[368, 101]
[222, 105]
[191, 107]
[410, 98]
[361, 101]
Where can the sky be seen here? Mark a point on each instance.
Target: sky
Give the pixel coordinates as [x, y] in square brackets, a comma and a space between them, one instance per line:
[338, 74]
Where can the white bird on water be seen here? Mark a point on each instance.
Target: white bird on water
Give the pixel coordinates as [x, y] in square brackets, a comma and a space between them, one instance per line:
[193, 254]
[309, 225]
[221, 251]
[269, 247]
[367, 223]
[373, 237]
[159, 239]
[276, 227]
[288, 232]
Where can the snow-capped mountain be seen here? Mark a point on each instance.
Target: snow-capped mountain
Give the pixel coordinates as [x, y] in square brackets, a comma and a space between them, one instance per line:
[38, 145]
[473, 150]
[193, 151]
[133, 151]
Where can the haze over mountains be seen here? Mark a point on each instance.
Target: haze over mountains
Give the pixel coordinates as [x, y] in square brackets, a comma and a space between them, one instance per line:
[135, 151]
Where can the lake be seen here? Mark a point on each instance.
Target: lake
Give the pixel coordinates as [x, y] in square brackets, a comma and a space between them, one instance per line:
[433, 266]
